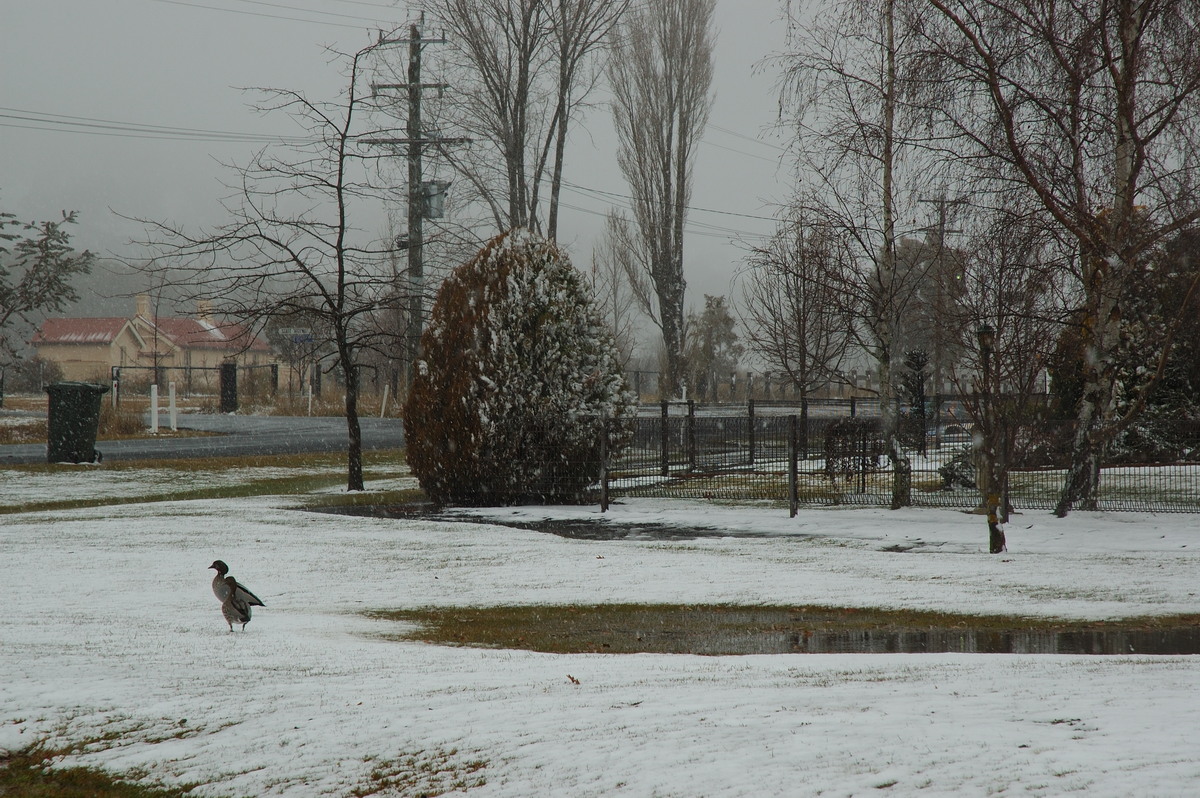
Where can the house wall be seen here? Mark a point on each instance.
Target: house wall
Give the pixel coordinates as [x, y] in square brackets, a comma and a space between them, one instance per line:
[94, 362]
[79, 362]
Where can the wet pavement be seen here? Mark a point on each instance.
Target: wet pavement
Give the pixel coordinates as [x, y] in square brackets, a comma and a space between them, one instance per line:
[232, 435]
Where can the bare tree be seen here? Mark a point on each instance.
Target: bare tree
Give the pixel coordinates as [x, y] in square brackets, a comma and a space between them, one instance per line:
[861, 171]
[615, 300]
[291, 247]
[1092, 110]
[520, 75]
[791, 311]
[579, 29]
[1011, 313]
[661, 74]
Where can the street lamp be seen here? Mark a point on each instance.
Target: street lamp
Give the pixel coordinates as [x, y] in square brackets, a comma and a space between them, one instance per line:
[987, 342]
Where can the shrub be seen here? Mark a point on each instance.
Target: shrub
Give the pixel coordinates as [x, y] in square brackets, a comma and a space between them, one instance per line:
[517, 381]
[853, 446]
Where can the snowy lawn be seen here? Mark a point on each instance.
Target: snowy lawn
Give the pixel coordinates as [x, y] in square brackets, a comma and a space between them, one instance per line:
[62, 483]
[110, 630]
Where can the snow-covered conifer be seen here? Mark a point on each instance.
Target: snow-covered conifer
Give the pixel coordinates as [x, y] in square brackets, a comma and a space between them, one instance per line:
[518, 377]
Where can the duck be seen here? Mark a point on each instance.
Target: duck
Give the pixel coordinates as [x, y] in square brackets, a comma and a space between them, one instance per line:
[235, 607]
[224, 587]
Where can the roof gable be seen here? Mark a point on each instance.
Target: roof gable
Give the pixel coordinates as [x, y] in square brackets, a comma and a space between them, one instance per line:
[177, 333]
[79, 331]
[204, 334]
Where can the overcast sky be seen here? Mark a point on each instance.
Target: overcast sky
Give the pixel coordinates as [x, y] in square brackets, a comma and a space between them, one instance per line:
[84, 79]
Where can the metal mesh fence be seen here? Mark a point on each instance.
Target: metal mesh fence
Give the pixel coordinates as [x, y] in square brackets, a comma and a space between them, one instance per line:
[821, 458]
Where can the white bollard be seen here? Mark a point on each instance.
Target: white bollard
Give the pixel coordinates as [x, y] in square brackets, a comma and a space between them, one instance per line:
[153, 409]
[174, 410]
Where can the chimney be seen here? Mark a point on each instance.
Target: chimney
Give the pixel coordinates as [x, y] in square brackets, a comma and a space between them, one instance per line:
[143, 307]
[204, 310]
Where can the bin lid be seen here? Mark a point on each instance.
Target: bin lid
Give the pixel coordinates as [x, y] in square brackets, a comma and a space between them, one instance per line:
[79, 387]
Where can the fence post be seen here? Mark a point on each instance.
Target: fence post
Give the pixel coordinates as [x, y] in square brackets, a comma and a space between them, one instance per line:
[793, 467]
[750, 429]
[804, 427]
[604, 464]
[937, 421]
[862, 461]
[691, 435]
[665, 436]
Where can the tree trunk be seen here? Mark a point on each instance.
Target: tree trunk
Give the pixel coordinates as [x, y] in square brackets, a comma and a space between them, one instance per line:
[900, 463]
[1083, 475]
[354, 459]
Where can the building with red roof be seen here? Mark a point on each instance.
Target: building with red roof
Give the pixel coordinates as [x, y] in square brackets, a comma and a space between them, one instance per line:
[87, 349]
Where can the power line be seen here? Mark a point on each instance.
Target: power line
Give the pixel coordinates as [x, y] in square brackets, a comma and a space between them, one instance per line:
[310, 10]
[96, 126]
[692, 227]
[265, 15]
[40, 120]
[708, 143]
[757, 141]
[628, 198]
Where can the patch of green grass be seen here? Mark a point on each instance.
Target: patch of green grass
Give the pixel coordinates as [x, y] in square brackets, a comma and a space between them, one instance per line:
[314, 472]
[264, 487]
[426, 774]
[29, 774]
[694, 629]
[387, 498]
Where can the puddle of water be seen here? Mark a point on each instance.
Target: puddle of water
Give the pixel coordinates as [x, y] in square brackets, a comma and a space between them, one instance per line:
[721, 630]
[933, 641]
[576, 529]
[734, 631]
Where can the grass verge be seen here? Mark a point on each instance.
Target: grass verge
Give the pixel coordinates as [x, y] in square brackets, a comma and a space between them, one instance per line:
[29, 774]
[313, 472]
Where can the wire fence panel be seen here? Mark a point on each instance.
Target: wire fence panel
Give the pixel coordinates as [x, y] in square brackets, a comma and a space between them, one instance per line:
[750, 457]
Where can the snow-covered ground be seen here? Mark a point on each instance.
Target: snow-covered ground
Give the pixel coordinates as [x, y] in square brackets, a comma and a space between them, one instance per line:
[110, 629]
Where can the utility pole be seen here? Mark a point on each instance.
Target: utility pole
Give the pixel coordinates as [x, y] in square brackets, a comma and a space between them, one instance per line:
[939, 267]
[415, 140]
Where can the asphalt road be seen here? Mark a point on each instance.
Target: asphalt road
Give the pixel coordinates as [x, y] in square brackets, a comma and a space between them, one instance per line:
[234, 435]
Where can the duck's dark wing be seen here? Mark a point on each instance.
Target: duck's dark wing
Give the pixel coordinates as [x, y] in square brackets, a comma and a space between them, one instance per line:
[246, 596]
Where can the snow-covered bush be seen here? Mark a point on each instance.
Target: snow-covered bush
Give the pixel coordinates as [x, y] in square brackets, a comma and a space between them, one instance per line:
[517, 381]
